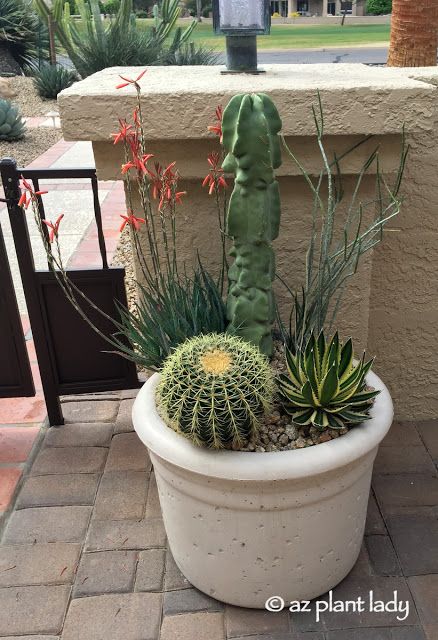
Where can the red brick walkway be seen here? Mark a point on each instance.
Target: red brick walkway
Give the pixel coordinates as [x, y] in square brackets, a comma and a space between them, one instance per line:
[22, 419]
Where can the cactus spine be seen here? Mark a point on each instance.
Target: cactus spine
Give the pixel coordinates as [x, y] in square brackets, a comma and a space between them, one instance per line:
[250, 137]
[214, 389]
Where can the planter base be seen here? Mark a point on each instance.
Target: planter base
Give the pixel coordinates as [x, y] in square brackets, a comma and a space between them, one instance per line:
[247, 526]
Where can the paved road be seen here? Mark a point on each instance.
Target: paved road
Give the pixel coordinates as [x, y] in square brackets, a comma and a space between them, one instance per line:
[310, 56]
[314, 56]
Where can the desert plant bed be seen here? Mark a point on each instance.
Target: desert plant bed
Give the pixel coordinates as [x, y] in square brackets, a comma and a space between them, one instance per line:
[30, 103]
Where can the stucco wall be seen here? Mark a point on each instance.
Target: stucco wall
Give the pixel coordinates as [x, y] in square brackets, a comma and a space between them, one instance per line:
[391, 306]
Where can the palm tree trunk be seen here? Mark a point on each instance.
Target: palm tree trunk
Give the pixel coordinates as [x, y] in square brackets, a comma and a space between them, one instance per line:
[414, 33]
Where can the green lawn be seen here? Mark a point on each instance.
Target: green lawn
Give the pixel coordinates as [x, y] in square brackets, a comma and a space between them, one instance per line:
[295, 36]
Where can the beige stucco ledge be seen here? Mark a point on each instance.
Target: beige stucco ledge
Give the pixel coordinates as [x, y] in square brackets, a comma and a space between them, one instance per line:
[178, 101]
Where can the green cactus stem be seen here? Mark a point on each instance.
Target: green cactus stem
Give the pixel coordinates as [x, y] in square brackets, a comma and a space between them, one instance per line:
[250, 137]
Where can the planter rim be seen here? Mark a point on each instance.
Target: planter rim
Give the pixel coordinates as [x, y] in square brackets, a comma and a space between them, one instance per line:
[162, 441]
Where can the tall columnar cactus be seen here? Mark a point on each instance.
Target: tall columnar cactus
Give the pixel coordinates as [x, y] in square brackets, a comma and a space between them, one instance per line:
[250, 136]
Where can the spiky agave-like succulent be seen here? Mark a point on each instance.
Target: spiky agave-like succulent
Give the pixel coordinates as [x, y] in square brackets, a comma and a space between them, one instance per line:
[324, 386]
[214, 389]
[12, 126]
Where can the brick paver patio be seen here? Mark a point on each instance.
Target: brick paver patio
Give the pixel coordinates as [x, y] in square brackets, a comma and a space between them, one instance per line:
[84, 554]
[22, 418]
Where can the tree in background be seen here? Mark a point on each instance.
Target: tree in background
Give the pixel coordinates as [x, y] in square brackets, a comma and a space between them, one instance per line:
[379, 7]
[198, 7]
[414, 33]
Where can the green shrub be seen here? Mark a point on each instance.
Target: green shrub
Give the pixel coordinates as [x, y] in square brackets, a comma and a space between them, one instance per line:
[12, 126]
[110, 6]
[93, 45]
[379, 7]
[323, 386]
[190, 54]
[21, 32]
[205, 7]
[214, 389]
[49, 80]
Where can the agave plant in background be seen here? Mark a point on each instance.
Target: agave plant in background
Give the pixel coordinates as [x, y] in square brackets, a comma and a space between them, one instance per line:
[324, 387]
[51, 79]
[12, 126]
[93, 46]
[22, 35]
[190, 54]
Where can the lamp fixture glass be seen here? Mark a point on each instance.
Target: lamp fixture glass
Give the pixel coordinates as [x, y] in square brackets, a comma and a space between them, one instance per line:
[240, 17]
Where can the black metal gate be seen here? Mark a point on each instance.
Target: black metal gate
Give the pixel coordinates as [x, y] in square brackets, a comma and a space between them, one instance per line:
[72, 357]
[15, 372]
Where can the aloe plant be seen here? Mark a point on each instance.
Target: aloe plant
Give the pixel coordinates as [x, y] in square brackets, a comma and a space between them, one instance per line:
[324, 386]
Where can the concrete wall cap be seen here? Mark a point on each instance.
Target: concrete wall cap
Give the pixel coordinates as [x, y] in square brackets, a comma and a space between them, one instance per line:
[179, 102]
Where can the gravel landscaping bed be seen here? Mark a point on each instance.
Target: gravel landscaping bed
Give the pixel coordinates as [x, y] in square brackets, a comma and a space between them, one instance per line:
[35, 142]
[30, 103]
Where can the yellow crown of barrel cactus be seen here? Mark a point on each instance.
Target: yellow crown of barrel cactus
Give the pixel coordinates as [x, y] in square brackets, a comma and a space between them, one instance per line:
[214, 389]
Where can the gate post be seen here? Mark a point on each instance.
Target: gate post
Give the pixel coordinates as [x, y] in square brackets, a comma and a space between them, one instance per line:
[23, 247]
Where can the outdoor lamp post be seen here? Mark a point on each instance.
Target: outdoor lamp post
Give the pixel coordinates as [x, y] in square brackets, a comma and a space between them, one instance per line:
[241, 21]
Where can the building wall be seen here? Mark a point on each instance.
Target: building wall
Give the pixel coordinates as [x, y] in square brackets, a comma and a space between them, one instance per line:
[391, 305]
[316, 7]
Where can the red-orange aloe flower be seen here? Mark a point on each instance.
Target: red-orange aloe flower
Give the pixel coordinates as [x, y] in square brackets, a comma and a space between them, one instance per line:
[138, 163]
[128, 81]
[54, 227]
[164, 185]
[27, 193]
[214, 177]
[125, 133]
[217, 128]
[179, 195]
[133, 221]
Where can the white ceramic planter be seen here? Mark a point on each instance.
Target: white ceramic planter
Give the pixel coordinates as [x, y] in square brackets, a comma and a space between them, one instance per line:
[246, 526]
